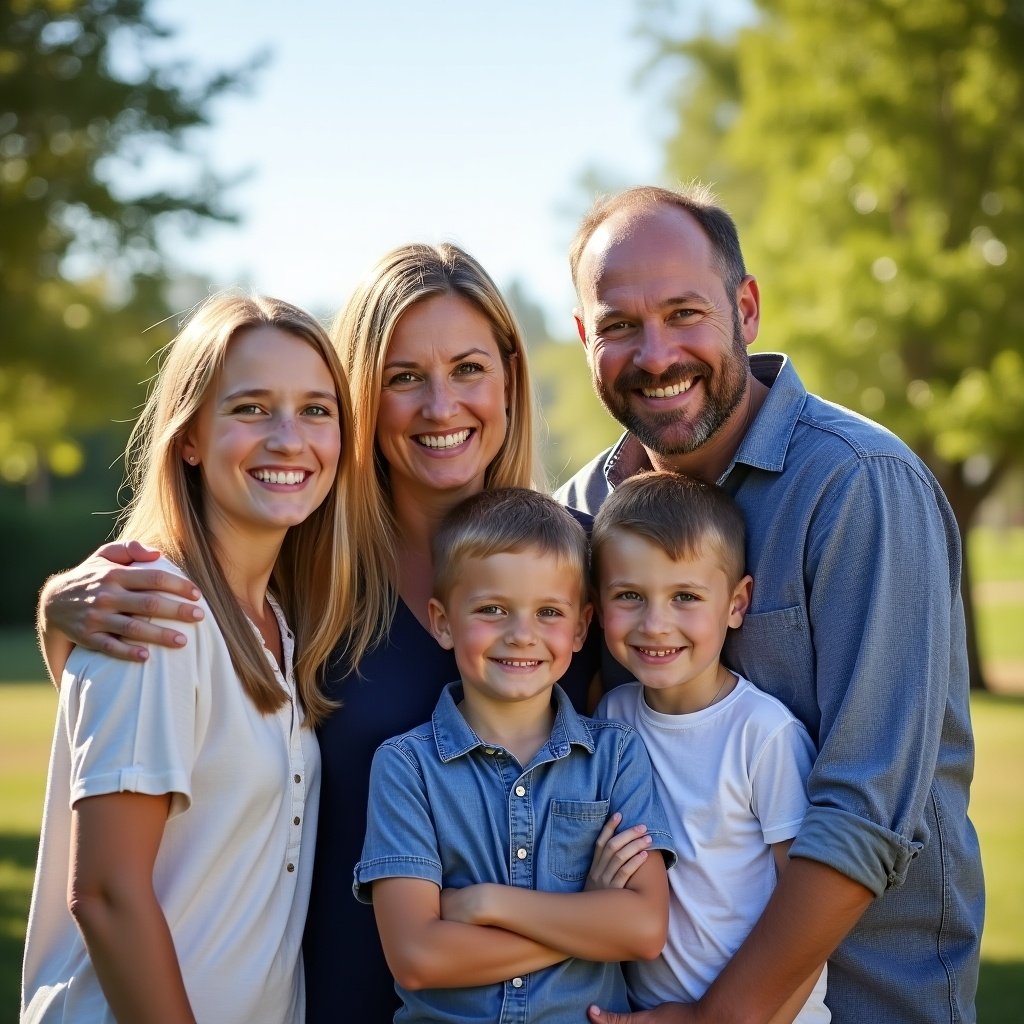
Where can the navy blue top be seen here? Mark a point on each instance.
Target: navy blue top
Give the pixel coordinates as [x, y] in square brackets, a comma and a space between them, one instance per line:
[398, 688]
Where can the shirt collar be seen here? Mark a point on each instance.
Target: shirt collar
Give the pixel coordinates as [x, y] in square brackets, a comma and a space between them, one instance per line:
[764, 445]
[455, 738]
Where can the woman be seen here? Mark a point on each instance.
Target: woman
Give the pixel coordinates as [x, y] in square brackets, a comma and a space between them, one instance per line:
[443, 409]
[182, 798]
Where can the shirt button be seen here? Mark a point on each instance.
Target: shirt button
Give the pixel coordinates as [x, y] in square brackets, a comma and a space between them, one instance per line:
[291, 867]
[298, 778]
[489, 750]
[520, 791]
[296, 820]
[517, 982]
[521, 853]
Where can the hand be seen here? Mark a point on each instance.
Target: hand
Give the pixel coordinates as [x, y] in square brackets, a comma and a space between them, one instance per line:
[98, 604]
[666, 1013]
[466, 905]
[617, 857]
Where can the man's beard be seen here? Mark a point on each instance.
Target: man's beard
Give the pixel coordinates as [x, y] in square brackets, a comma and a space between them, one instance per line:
[672, 432]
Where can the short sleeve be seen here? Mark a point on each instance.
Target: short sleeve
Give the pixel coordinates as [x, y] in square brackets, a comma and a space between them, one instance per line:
[401, 841]
[132, 725]
[779, 782]
[635, 796]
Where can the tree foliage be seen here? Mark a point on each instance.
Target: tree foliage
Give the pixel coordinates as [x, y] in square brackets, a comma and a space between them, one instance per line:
[873, 153]
[95, 117]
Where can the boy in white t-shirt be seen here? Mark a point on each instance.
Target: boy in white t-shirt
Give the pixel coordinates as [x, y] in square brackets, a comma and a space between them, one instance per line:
[730, 761]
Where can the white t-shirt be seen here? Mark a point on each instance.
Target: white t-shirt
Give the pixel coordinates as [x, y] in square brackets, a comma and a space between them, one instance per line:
[732, 778]
[233, 870]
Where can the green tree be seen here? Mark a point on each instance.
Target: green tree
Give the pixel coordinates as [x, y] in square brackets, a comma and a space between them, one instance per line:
[873, 154]
[94, 109]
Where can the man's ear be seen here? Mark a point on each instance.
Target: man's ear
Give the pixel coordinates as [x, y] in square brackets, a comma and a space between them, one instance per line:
[577, 315]
[748, 303]
[439, 624]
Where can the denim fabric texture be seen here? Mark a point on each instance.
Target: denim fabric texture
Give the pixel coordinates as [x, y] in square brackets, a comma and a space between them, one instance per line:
[450, 809]
[857, 626]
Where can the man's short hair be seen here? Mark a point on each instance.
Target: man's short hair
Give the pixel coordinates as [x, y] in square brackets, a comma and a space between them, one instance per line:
[507, 519]
[678, 514]
[696, 199]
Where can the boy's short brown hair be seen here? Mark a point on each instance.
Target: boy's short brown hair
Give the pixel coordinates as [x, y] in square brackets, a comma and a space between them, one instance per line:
[507, 519]
[678, 514]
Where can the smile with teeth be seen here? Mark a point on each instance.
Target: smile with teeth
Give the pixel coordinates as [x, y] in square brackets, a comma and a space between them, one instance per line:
[276, 476]
[658, 652]
[444, 440]
[670, 392]
[516, 663]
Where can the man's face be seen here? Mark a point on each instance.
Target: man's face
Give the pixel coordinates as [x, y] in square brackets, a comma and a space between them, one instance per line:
[666, 343]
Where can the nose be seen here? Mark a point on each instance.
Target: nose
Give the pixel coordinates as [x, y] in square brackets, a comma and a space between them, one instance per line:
[655, 351]
[285, 436]
[520, 631]
[439, 403]
[654, 621]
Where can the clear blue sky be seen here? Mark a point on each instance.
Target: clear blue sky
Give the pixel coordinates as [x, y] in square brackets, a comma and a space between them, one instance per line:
[378, 123]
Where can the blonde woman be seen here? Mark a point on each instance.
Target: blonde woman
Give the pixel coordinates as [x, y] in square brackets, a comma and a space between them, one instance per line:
[181, 808]
[442, 410]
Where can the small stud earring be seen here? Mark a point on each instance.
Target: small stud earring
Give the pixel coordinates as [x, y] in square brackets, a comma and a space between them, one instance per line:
[191, 460]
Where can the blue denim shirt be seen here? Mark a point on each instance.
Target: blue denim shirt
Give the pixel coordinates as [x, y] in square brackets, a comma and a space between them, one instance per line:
[857, 626]
[446, 807]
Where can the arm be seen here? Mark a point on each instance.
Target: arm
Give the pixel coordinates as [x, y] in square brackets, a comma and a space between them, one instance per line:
[795, 1003]
[758, 981]
[424, 951]
[98, 605]
[630, 923]
[114, 843]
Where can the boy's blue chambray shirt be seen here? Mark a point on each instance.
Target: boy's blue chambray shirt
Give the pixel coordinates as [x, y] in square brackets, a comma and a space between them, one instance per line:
[856, 625]
[448, 808]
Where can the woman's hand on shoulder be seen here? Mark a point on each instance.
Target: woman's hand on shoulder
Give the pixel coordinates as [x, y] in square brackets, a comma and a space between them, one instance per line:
[104, 603]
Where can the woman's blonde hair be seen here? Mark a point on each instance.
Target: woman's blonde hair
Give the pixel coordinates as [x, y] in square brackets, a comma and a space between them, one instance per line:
[314, 576]
[363, 331]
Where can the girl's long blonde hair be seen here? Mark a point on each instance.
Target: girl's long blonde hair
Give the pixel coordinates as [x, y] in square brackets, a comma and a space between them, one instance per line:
[314, 577]
[363, 332]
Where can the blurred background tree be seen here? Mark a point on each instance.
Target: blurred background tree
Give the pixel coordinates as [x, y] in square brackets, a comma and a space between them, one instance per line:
[90, 95]
[873, 155]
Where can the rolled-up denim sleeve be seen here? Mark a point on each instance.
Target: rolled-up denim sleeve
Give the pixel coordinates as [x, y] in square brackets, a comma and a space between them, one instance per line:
[401, 841]
[882, 575]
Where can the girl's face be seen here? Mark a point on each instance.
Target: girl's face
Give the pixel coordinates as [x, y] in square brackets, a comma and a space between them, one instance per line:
[267, 437]
[444, 396]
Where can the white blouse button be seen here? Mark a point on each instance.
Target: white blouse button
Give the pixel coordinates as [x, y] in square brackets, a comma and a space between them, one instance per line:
[521, 853]
[520, 791]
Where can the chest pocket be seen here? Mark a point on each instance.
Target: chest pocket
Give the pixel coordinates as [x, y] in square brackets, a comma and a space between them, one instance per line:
[773, 650]
[575, 825]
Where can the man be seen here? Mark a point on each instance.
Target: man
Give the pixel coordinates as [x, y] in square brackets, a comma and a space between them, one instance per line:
[856, 622]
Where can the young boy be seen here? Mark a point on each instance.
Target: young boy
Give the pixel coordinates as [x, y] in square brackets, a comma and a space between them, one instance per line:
[730, 762]
[482, 822]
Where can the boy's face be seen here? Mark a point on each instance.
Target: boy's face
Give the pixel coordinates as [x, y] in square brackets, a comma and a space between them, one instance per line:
[514, 621]
[666, 620]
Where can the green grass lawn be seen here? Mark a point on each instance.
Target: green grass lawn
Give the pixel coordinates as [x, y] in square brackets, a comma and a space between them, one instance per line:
[26, 722]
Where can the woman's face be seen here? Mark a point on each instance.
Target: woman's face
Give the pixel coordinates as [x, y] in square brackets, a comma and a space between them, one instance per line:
[444, 397]
[267, 438]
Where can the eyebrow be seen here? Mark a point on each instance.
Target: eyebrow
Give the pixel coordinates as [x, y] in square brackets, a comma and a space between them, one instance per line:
[635, 585]
[263, 392]
[412, 364]
[602, 312]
